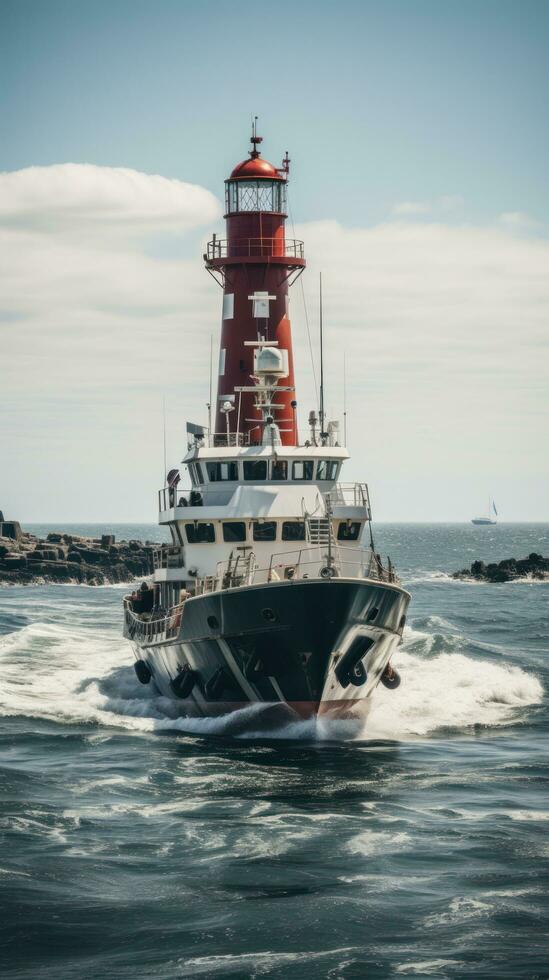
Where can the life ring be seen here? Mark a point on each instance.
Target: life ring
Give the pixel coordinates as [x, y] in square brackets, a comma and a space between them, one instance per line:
[183, 684]
[143, 671]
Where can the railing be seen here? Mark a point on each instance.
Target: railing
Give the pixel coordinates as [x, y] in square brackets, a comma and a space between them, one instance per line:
[158, 625]
[230, 438]
[346, 494]
[296, 565]
[170, 497]
[254, 248]
[168, 556]
[351, 495]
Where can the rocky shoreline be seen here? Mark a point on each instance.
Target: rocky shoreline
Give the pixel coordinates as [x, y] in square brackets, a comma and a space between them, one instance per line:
[509, 570]
[69, 558]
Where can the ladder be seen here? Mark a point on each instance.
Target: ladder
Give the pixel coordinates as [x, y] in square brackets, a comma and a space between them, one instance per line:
[319, 530]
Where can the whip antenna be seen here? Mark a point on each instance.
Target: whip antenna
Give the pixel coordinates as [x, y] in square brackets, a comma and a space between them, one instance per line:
[344, 399]
[321, 411]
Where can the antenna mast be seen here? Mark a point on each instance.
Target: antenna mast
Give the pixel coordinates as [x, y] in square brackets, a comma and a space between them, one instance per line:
[210, 397]
[344, 399]
[165, 454]
[321, 410]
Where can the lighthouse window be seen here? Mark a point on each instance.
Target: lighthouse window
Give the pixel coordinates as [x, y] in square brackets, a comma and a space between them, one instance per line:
[222, 471]
[264, 531]
[302, 469]
[327, 469]
[293, 531]
[234, 531]
[255, 469]
[256, 195]
[349, 531]
[200, 533]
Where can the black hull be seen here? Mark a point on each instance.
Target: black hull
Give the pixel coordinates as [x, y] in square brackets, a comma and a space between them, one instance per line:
[278, 644]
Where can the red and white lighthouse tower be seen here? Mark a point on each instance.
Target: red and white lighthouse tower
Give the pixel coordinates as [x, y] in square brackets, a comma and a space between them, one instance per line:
[255, 265]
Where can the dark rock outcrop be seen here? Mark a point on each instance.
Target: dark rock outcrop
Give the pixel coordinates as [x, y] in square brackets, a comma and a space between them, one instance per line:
[534, 566]
[25, 559]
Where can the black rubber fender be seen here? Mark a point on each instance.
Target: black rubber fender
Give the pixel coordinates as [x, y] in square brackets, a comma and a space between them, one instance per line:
[142, 671]
[390, 678]
[350, 668]
[183, 684]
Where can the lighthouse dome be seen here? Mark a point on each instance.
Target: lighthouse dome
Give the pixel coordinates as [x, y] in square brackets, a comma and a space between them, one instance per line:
[256, 167]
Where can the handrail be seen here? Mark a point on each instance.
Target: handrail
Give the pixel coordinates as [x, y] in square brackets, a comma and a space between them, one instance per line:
[163, 624]
[170, 497]
[369, 566]
[168, 556]
[221, 248]
[348, 494]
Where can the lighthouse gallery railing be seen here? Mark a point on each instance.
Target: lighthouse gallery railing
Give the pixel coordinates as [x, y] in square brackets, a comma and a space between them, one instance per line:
[221, 248]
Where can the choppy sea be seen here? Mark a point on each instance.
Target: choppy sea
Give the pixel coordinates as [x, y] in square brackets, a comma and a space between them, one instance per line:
[137, 846]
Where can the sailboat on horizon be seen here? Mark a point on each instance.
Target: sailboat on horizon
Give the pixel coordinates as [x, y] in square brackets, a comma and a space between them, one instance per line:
[491, 515]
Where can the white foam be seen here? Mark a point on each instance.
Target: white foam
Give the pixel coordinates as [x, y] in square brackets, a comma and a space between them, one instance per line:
[370, 842]
[260, 961]
[460, 909]
[427, 967]
[450, 690]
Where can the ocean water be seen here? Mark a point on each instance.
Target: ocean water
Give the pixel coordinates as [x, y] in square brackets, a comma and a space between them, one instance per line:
[137, 846]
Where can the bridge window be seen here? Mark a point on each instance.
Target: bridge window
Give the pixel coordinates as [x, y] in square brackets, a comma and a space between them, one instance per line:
[264, 531]
[200, 533]
[195, 471]
[255, 469]
[234, 531]
[302, 469]
[293, 531]
[222, 471]
[349, 530]
[327, 469]
[279, 469]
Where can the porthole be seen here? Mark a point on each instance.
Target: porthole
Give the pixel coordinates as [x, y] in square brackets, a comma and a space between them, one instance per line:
[213, 622]
[372, 614]
[402, 623]
[269, 615]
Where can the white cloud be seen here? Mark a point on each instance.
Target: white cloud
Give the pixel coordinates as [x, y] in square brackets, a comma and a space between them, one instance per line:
[445, 203]
[83, 198]
[518, 219]
[411, 207]
[444, 329]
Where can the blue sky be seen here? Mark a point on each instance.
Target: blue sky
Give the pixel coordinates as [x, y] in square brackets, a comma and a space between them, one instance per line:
[419, 143]
[377, 101]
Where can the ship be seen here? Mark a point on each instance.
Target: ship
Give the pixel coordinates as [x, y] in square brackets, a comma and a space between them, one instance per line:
[270, 592]
[490, 516]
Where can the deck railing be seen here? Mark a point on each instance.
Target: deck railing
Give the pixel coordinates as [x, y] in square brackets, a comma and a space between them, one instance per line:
[156, 626]
[222, 248]
[295, 565]
[341, 494]
[168, 556]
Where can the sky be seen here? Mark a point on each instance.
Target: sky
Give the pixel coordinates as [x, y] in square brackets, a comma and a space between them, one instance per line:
[419, 143]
